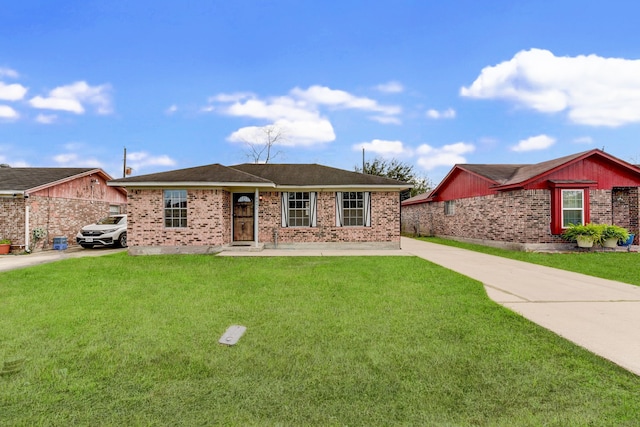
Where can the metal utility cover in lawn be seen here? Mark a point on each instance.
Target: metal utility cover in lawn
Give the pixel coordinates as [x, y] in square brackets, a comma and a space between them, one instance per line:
[232, 335]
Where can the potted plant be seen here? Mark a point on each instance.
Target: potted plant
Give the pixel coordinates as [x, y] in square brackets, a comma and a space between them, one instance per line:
[612, 234]
[583, 234]
[5, 246]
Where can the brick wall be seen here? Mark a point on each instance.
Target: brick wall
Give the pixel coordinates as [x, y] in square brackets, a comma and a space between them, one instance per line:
[522, 216]
[209, 220]
[58, 216]
[12, 219]
[385, 221]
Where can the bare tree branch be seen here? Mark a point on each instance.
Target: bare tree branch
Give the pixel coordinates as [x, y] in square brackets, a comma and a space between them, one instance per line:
[261, 147]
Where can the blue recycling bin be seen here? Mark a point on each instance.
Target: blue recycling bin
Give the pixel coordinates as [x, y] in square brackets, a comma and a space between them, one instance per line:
[60, 243]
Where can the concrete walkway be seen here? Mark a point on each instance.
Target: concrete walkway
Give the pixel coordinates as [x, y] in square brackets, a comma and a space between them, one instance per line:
[600, 315]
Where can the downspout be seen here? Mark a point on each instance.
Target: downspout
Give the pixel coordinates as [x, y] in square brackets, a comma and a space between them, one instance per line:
[26, 226]
[256, 199]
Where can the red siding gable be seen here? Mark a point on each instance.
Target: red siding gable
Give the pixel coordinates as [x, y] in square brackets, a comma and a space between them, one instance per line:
[461, 184]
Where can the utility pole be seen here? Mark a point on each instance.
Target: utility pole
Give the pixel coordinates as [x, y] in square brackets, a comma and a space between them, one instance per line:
[363, 160]
[124, 165]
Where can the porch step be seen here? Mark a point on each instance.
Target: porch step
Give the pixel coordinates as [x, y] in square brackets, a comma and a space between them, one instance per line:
[243, 247]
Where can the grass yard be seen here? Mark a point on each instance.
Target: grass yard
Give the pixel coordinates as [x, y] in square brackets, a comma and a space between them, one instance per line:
[621, 266]
[121, 340]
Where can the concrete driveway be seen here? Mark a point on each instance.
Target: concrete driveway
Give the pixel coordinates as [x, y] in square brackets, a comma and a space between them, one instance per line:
[12, 262]
[600, 315]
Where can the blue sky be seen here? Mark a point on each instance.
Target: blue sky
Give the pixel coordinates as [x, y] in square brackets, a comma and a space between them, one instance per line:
[188, 83]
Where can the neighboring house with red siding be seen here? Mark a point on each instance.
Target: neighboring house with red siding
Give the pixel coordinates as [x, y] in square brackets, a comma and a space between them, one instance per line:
[214, 207]
[527, 206]
[58, 200]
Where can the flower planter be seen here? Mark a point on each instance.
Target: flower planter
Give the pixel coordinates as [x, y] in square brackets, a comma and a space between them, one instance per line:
[584, 241]
[611, 242]
[4, 248]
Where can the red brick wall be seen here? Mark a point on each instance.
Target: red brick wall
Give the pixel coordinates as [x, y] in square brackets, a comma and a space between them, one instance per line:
[385, 221]
[58, 216]
[522, 216]
[12, 219]
[209, 220]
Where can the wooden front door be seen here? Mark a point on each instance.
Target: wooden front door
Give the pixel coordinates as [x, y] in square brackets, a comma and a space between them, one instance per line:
[243, 217]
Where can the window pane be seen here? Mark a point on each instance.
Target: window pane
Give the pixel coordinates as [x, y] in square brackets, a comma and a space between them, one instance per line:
[571, 217]
[175, 212]
[299, 209]
[572, 199]
[353, 208]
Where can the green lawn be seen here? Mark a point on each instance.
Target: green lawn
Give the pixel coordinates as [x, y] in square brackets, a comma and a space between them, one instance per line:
[121, 340]
[620, 266]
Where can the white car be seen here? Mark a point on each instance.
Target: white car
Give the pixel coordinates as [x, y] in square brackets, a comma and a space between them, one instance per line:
[109, 231]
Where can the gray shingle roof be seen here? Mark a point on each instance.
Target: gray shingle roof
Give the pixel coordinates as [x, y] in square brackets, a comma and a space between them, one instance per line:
[23, 179]
[215, 173]
[311, 175]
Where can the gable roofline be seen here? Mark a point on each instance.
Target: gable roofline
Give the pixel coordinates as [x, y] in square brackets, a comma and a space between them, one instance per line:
[433, 193]
[281, 176]
[530, 173]
[522, 174]
[43, 178]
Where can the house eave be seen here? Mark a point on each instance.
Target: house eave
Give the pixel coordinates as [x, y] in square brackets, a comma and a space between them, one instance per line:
[190, 184]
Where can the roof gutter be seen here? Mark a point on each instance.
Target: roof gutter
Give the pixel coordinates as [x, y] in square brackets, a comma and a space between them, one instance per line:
[190, 184]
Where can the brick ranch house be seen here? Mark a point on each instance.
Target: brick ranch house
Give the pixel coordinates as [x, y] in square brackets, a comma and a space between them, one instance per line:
[207, 208]
[527, 207]
[58, 200]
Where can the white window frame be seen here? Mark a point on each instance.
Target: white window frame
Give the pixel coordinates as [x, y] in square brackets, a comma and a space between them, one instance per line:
[175, 208]
[296, 202]
[564, 209]
[358, 215]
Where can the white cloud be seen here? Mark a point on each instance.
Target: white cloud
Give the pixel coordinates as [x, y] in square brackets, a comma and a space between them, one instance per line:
[8, 72]
[533, 143]
[12, 92]
[299, 113]
[390, 87]
[141, 159]
[583, 140]
[449, 113]
[8, 113]
[75, 160]
[592, 90]
[172, 109]
[46, 119]
[323, 95]
[296, 132]
[448, 155]
[231, 97]
[273, 109]
[74, 97]
[383, 147]
[386, 120]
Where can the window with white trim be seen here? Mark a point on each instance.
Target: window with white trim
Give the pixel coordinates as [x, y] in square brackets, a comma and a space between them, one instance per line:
[175, 208]
[353, 209]
[449, 207]
[572, 207]
[299, 208]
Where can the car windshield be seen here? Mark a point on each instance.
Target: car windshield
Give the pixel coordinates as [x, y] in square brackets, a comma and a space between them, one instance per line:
[110, 220]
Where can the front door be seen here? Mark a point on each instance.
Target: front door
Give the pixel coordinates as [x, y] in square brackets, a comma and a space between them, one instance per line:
[243, 217]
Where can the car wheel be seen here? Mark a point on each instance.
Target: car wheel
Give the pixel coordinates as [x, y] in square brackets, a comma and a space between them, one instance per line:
[122, 240]
[86, 246]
